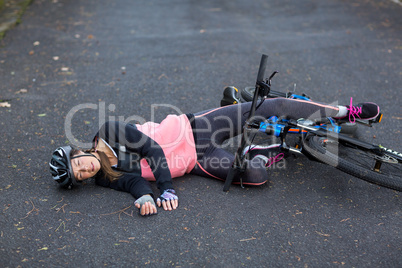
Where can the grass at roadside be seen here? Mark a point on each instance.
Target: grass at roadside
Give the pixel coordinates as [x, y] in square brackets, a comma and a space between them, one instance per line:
[11, 12]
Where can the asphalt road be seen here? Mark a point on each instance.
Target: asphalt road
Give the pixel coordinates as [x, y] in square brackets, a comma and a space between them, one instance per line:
[117, 58]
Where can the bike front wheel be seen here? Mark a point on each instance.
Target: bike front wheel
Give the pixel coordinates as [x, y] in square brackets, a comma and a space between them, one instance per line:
[377, 167]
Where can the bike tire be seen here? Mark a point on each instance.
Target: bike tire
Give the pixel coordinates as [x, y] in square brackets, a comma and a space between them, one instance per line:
[248, 94]
[355, 162]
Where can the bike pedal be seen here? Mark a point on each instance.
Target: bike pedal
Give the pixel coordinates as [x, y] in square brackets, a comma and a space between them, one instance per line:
[370, 122]
[378, 118]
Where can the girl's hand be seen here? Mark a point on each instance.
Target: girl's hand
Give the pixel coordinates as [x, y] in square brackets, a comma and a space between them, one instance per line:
[168, 200]
[146, 205]
[168, 205]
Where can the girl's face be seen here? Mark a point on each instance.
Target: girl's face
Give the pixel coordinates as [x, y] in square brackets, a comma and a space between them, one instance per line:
[85, 167]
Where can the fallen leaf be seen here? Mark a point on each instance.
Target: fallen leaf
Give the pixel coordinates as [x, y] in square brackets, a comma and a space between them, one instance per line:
[322, 234]
[248, 239]
[41, 115]
[5, 104]
[44, 248]
[21, 91]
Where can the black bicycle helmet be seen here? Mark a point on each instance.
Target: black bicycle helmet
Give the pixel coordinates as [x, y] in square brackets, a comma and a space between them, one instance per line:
[60, 167]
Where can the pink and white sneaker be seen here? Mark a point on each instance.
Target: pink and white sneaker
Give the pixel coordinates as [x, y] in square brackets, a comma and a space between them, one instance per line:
[364, 111]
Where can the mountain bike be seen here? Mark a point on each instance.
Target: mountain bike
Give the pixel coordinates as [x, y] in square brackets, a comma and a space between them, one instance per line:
[320, 140]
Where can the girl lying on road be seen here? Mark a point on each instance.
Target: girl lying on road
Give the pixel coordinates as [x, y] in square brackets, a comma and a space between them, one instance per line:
[125, 156]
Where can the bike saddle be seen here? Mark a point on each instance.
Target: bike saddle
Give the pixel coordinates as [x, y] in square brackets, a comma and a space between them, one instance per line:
[230, 96]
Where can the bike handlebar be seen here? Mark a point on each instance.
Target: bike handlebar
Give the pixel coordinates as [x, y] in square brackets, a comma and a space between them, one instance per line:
[263, 66]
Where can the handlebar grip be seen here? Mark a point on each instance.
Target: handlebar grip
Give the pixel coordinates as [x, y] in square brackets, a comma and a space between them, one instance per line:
[263, 65]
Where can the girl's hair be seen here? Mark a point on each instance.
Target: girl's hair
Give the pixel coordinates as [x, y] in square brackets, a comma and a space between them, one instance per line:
[106, 169]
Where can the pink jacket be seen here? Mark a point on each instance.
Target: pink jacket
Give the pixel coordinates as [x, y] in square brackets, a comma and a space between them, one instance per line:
[175, 135]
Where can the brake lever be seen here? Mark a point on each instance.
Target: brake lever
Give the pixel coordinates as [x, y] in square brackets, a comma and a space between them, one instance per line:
[264, 90]
[270, 78]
